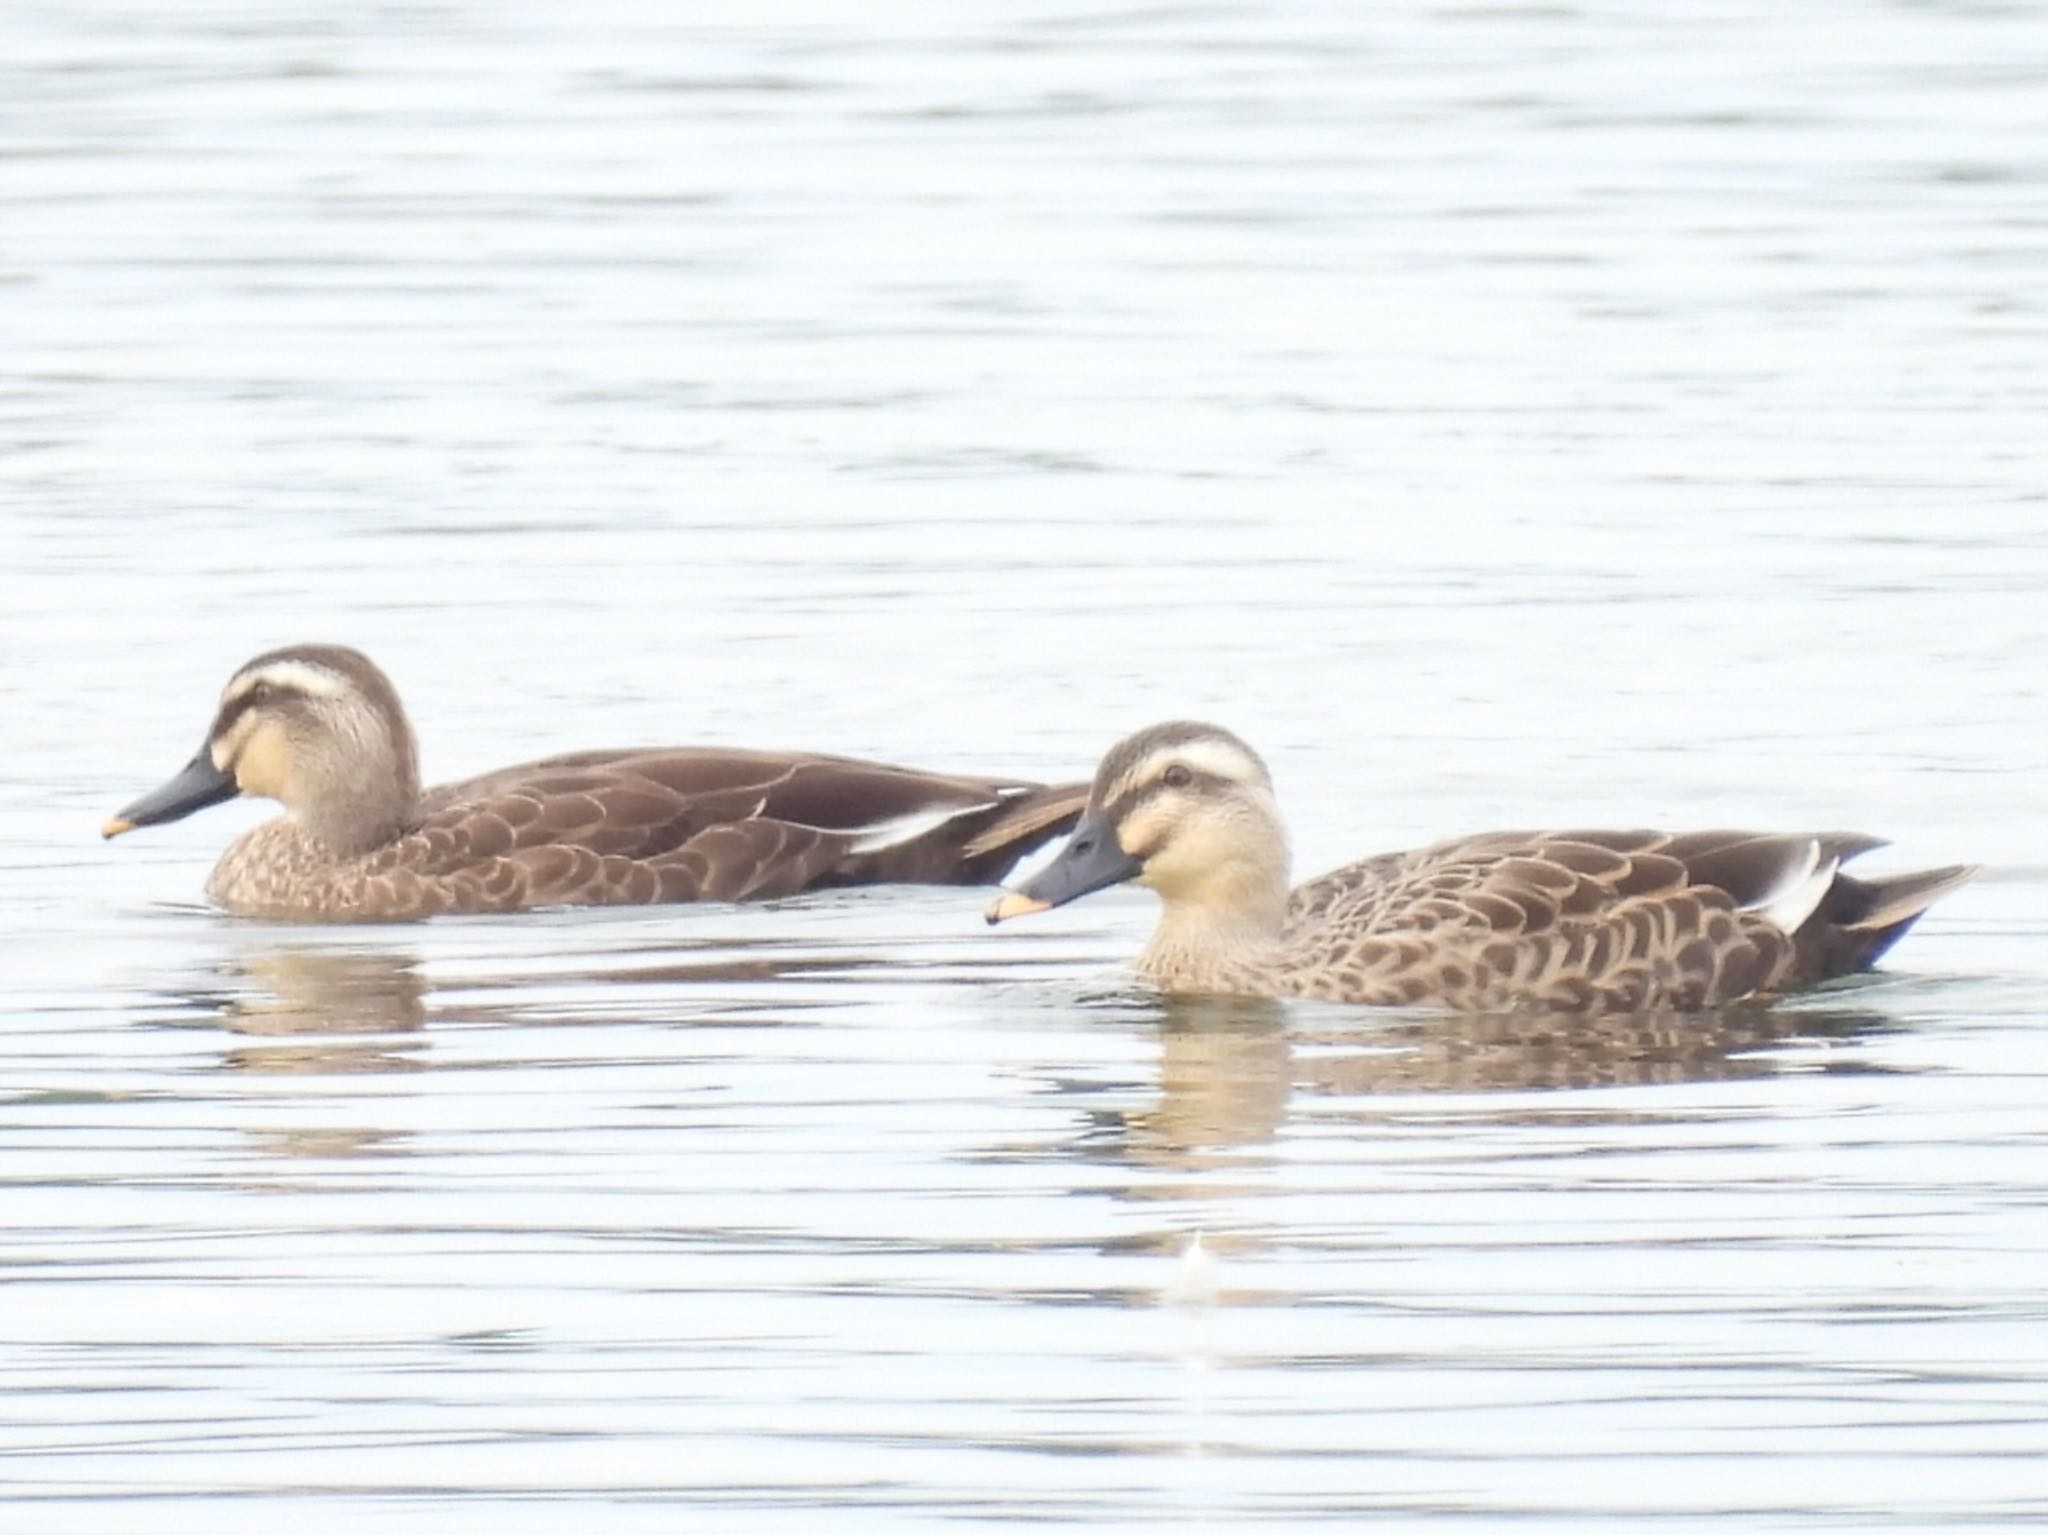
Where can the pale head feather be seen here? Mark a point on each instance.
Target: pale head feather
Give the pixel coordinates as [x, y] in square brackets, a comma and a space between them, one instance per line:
[1216, 842]
[328, 738]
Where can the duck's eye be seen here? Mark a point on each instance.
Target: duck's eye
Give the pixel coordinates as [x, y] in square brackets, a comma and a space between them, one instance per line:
[1178, 776]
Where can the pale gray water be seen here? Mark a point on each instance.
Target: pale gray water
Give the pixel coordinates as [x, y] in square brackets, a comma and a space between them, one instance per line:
[1561, 414]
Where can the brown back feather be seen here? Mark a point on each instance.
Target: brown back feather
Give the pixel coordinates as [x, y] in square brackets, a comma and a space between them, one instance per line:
[1593, 920]
[686, 824]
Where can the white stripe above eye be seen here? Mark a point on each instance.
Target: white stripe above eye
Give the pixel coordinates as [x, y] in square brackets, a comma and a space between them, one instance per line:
[297, 676]
[1217, 759]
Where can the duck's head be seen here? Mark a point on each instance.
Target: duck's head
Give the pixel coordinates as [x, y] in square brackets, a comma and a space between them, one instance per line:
[1184, 808]
[317, 728]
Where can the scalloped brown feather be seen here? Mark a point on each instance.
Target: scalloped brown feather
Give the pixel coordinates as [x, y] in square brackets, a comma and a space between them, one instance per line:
[605, 828]
[1583, 921]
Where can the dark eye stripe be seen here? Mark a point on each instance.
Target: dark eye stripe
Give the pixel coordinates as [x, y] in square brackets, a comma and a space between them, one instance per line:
[1198, 782]
[263, 694]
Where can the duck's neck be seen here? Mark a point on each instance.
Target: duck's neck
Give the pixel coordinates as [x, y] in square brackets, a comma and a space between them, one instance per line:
[1210, 938]
[374, 801]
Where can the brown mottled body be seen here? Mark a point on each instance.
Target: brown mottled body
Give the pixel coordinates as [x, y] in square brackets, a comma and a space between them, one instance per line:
[1600, 921]
[320, 729]
[1571, 921]
[642, 828]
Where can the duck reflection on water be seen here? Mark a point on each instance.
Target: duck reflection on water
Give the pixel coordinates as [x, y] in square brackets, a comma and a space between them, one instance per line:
[1230, 1069]
[307, 1008]
[1231, 1072]
[304, 1007]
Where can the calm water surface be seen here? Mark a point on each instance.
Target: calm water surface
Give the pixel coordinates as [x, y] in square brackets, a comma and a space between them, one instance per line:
[1623, 413]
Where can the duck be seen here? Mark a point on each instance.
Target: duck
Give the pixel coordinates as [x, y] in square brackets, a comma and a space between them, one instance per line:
[1570, 921]
[320, 729]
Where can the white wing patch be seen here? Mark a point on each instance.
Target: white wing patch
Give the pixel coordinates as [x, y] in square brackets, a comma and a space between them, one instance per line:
[898, 830]
[1798, 892]
[1029, 865]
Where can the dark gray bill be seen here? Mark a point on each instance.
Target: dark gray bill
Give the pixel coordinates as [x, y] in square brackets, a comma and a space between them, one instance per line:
[198, 784]
[1091, 860]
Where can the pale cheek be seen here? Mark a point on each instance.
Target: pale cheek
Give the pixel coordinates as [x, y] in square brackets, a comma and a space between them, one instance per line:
[261, 765]
[1142, 832]
[228, 747]
[1197, 859]
[1171, 869]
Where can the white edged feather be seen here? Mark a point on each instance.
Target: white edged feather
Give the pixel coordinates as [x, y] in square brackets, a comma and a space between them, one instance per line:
[1798, 892]
[898, 830]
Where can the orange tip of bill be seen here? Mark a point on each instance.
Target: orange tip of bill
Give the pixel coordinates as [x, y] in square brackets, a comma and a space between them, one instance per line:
[1010, 904]
[115, 827]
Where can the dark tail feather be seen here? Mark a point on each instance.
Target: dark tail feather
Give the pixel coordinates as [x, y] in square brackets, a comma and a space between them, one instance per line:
[1859, 919]
[1025, 822]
